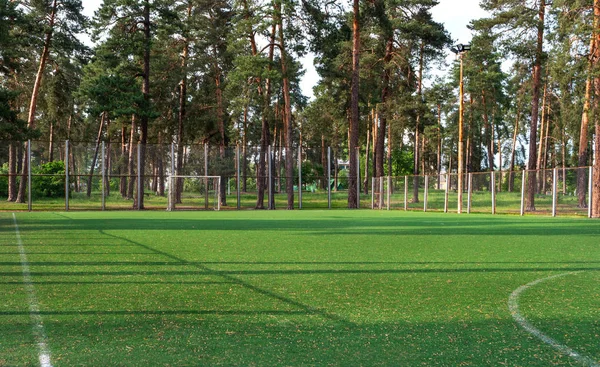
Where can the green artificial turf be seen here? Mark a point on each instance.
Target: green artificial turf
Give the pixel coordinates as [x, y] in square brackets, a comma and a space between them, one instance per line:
[481, 202]
[301, 288]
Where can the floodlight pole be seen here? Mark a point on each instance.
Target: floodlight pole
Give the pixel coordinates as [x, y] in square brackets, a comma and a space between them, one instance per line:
[460, 136]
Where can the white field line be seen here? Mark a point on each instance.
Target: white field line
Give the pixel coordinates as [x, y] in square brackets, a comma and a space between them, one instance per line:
[513, 306]
[34, 309]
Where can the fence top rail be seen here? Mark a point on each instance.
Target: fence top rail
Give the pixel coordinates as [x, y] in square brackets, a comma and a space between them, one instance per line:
[194, 176]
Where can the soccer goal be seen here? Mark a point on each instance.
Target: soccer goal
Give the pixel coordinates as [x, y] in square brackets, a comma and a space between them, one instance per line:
[194, 193]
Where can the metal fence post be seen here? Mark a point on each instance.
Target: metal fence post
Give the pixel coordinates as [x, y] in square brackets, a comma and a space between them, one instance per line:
[139, 175]
[446, 193]
[373, 192]
[67, 175]
[493, 192]
[206, 179]
[523, 193]
[270, 178]
[172, 180]
[554, 191]
[300, 177]
[590, 191]
[103, 180]
[469, 192]
[29, 203]
[218, 194]
[426, 193]
[329, 177]
[405, 193]
[238, 175]
[357, 178]
[381, 192]
[389, 192]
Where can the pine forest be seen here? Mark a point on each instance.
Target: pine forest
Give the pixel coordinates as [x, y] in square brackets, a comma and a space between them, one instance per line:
[522, 94]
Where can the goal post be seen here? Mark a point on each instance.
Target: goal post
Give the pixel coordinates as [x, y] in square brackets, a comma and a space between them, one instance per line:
[196, 192]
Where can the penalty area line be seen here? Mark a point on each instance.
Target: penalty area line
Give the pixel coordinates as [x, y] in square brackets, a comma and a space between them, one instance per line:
[513, 306]
[34, 309]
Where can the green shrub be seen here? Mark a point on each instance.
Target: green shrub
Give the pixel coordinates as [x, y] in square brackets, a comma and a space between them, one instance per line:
[48, 180]
[4, 180]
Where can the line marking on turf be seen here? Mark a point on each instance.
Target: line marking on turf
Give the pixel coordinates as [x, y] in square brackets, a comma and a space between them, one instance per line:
[513, 306]
[34, 308]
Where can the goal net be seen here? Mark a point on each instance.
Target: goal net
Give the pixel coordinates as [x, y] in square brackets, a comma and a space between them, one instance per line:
[194, 193]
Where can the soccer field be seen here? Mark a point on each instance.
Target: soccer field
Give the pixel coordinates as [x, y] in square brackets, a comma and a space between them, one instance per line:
[301, 288]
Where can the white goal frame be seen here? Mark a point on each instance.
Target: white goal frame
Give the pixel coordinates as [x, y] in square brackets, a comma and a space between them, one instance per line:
[171, 180]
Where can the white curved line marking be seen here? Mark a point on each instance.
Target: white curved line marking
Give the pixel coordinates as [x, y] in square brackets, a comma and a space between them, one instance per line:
[513, 306]
[34, 309]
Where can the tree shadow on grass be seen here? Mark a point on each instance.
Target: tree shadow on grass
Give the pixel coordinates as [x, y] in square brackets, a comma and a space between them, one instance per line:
[343, 226]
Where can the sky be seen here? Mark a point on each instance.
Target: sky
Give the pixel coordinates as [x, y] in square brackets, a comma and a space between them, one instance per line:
[454, 14]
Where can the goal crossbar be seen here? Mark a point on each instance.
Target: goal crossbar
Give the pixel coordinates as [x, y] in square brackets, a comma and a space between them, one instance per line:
[215, 179]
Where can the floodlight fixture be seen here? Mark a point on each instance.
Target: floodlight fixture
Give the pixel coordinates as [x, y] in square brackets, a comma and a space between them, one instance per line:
[463, 48]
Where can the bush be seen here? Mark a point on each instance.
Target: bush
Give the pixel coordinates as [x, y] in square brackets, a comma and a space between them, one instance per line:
[4, 180]
[52, 182]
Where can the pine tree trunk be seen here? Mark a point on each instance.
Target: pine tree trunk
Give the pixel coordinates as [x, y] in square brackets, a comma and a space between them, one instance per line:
[95, 156]
[277, 151]
[108, 166]
[265, 138]
[324, 182]
[144, 116]
[288, 123]
[12, 171]
[439, 147]
[537, 77]
[34, 96]
[160, 167]
[153, 158]
[490, 132]
[389, 151]
[542, 142]
[470, 139]
[511, 169]
[354, 111]
[131, 160]
[24, 172]
[544, 154]
[182, 113]
[418, 157]
[74, 164]
[596, 169]
[596, 65]
[221, 125]
[584, 136]
[51, 143]
[243, 157]
[385, 93]
[500, 163]
[123, 162]
[366, 175]
[375, 135]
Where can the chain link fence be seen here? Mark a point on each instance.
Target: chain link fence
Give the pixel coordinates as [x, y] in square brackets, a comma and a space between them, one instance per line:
[499, 192]
[69, 175]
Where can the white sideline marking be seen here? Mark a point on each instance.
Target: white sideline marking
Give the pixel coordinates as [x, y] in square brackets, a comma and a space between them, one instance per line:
[513, 306]
[34, 309]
